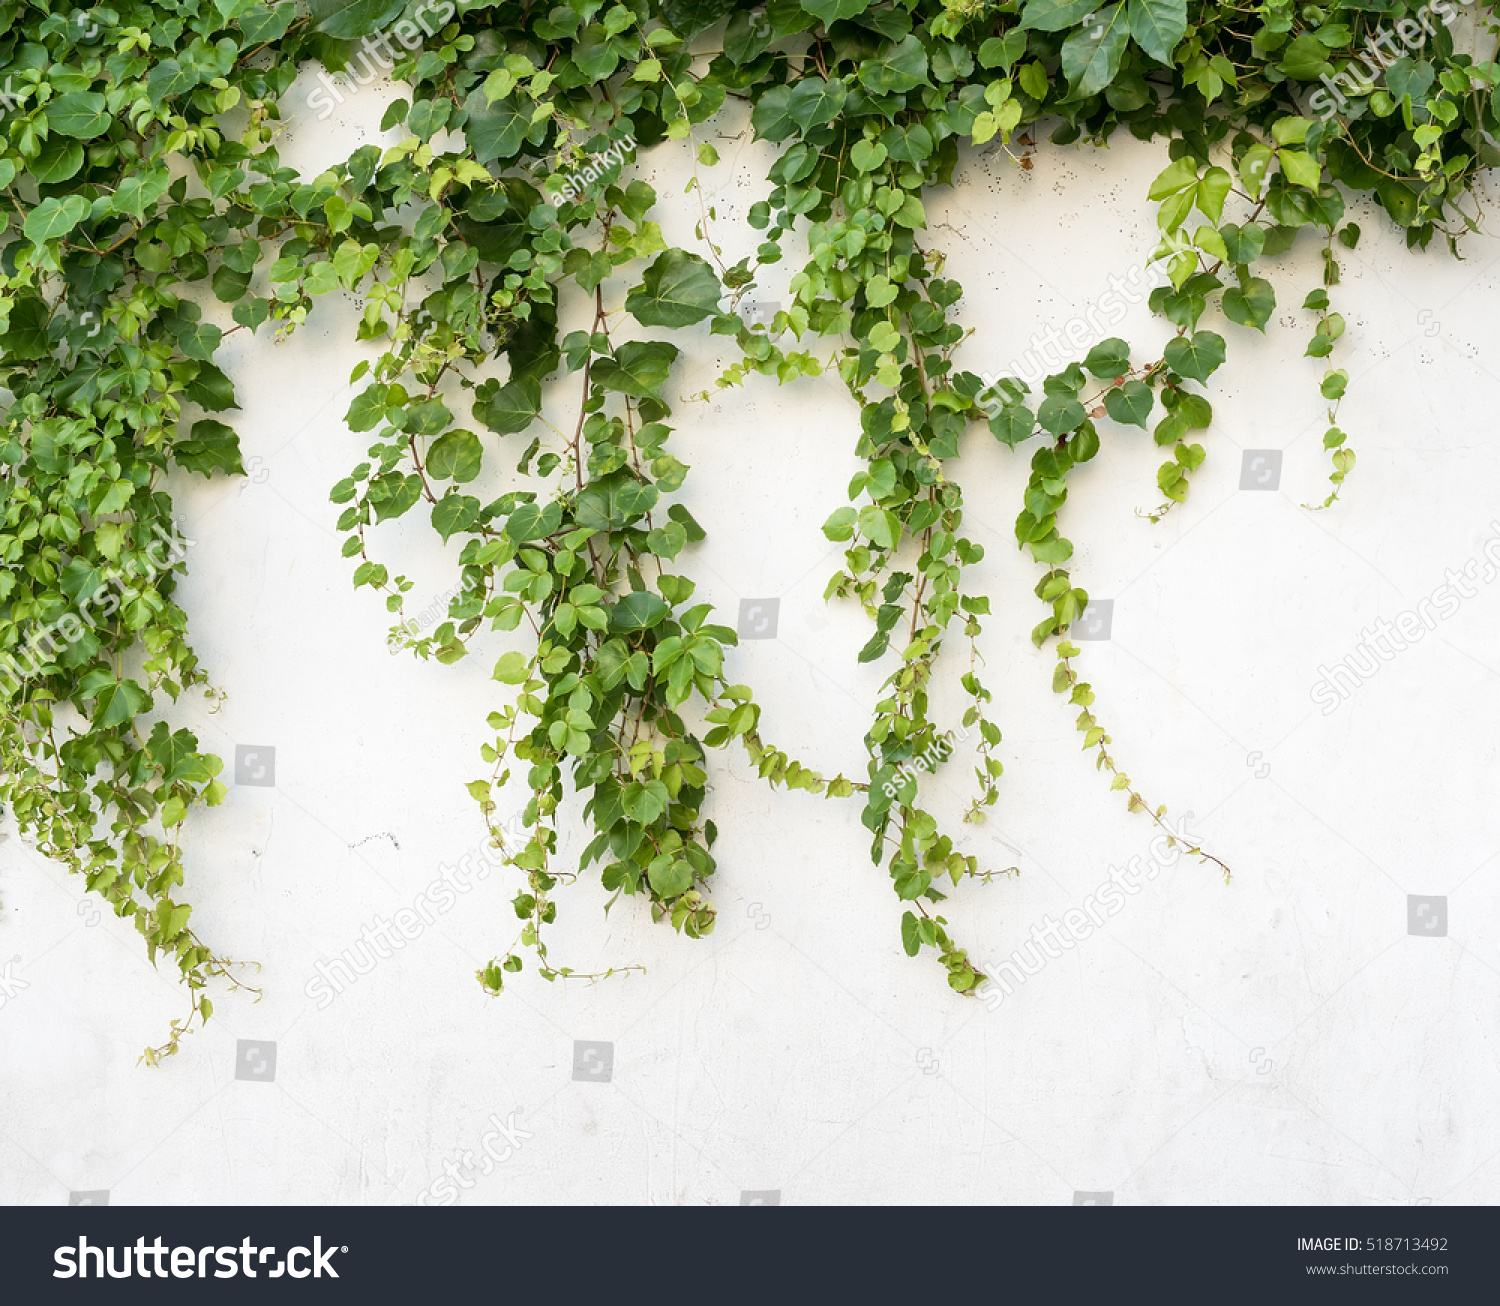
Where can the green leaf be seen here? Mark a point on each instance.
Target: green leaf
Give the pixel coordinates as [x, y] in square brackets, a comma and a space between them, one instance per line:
[394, 494]
[814, 101]
[1013, 424]
[80, 114]
[1176, 176]
[670, 876]
[266, 23]
[351, 19]
[692, 16]
[1305, 59]
[1197, 356]
[880, 526]
[533, 521]
[901, 68]
[1109, 359]
[508, 409]
[911, 939]
[26, 336]
[639, 368]
[1293, 131]
[1061, 413]
[211, 447]
[1003, 51]
[639, 610]
[60, 159]
[1408, 77]
[456, 456]
[453, 513]
[512, 668]
[829, 12]
[197, 339]
[1157, 26]
[678, 289]
[494, 131]
[770, 118]
[1301, 169]
[1243, 244]
[1091, 56]
[908, 144]
[879, 291]
[169, 78]
[1212, 189]
[178, 757]
[1130, 404]
[1054, 15]
[1033, 80]
[55, 217]
[1252, 304]
[120, 702]
[229, 285]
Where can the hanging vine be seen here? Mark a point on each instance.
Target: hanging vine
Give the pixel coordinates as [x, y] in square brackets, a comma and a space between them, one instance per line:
[147, 202]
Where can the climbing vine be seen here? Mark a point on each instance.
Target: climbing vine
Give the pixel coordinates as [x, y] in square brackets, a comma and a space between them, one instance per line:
[523, 310]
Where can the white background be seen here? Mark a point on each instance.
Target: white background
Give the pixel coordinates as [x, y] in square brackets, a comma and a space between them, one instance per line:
[1279, 1039]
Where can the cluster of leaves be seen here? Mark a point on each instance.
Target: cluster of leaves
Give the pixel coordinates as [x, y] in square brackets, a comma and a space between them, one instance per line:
[145, 196]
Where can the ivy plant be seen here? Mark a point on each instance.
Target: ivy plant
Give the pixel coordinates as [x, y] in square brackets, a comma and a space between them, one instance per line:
[147, 209]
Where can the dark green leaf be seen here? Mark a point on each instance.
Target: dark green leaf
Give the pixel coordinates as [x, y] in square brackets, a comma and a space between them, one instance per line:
[351, 19]
[814, 101]
[1054, 15]
[1251, 305]
[1130, 404]
[902, 68]
[197, 339]
[1109, 359]
[1091, 56]
[120, 702]
[211, 447]
[1013, 424]
[638, 611]
[678, 289]
[453, 513]
[1157, 26]
[457, 456]
[911, 940]
[80, 114]
[1196, 356]
[508, 409]
[829, 12]
[60, 159]
[692, 16]
[495, 131]
[639, 368]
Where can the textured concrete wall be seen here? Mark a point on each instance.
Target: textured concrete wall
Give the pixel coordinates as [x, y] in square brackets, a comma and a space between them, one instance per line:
[1322, 1029]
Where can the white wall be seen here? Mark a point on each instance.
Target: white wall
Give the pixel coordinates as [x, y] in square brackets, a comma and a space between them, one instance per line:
[1281, 1039]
